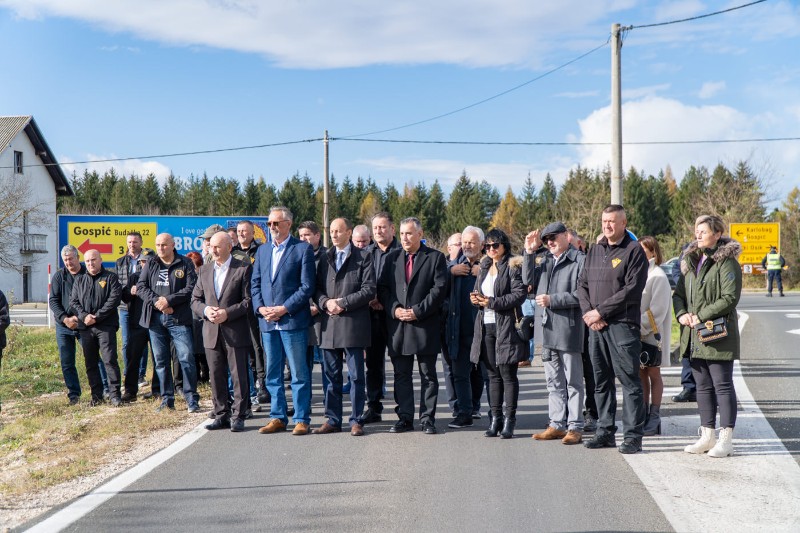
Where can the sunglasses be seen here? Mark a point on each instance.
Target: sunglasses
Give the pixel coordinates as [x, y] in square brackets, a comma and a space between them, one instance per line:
[275, 224]
[493, 245]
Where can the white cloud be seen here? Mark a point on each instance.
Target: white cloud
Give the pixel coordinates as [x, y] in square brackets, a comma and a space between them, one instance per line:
[127, 168]
[710, 88]
[662, 119]
[349, 33]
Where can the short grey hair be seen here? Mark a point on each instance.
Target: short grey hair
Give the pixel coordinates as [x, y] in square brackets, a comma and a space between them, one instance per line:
[285, 210]
[477, 231]
[412, 220]
[68, 249]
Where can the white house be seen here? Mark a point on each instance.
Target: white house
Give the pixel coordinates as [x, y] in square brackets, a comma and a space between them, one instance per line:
[25, 154]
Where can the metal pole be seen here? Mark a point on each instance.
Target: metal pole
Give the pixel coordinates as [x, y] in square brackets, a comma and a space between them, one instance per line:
[325, 191]
[616, 116]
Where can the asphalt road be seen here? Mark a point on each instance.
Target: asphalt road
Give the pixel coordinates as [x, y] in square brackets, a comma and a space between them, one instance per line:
[461, 481]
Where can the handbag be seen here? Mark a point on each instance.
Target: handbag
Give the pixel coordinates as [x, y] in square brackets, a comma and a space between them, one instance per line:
[651, 354]
[712, 330]
[524, 326]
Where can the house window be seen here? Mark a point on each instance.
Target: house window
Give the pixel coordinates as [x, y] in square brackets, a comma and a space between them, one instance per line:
[17, 162]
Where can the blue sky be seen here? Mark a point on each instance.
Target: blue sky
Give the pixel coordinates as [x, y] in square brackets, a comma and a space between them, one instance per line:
[135, 78]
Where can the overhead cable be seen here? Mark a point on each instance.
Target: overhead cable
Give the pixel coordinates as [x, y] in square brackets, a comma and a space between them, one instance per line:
[626, 28]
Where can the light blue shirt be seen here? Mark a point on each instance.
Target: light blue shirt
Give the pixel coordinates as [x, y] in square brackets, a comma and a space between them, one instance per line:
[341, 255]
[277, 253]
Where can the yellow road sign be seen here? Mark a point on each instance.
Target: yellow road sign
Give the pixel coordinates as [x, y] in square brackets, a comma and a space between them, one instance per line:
[109, 238]
[756, 239]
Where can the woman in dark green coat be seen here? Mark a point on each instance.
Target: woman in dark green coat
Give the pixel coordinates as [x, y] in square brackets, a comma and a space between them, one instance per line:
[709, 288]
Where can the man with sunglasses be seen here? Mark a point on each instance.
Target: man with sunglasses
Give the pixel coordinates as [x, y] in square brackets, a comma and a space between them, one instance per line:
[555, 283]
[282, 283]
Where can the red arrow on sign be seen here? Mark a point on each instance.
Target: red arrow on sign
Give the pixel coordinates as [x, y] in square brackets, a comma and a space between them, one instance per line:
[102, 248]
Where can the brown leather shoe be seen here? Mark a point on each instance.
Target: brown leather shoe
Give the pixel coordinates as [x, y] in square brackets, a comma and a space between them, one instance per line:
[573, 437]
[356, 430]
[325, 429]
[524, 363]
[301, 428]
[273, 426]
[550, 433]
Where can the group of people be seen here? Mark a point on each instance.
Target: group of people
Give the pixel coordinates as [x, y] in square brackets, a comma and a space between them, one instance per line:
[604, 314]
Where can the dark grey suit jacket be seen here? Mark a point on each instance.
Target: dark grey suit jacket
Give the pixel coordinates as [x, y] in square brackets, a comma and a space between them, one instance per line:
[425, 294]
[354, 286]
[234, 298]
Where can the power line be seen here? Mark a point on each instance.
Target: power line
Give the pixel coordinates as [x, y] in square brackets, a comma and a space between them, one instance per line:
[626, 28]
[523, 143]
[176, 154]
[470, 106]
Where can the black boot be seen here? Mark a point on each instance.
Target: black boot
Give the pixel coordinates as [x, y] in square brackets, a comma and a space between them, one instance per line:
[508, 427]
[494, 426]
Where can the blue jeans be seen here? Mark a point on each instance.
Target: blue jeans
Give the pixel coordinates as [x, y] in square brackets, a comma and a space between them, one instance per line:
[290, 345]
[528, 309]
[333, 394]
[123, 324]
[162, 329]
[65, 339]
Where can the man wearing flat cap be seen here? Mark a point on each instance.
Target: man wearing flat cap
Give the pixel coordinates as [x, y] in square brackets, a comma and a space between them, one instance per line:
[555, 282]
[206, 236]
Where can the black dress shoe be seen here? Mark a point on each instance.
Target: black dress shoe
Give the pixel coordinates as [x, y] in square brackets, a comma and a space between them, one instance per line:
[429, 428]
[461, 422]
[402, 426]
[686, 395]
[601, 440]
[370, 416]
[219, 423]
[631, 445]
[237, 425]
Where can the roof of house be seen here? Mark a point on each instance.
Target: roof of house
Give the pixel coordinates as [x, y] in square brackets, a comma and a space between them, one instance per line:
[11, 126]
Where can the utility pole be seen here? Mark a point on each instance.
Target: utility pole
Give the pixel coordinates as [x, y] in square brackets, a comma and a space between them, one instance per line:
[616, 116]
[325, 189]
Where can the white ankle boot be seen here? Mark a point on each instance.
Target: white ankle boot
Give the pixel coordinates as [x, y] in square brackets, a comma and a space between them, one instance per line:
[724, 446]
[707, 441]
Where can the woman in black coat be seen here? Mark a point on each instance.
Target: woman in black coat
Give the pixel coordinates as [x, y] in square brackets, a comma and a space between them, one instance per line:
[499, 292]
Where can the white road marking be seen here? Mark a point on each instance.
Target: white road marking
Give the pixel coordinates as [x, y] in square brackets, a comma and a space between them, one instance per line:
[83, 506]
[758, 489]
[793, 315]
[795, 331]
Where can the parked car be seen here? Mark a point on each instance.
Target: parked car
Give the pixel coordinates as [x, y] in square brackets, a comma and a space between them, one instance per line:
[669, 267]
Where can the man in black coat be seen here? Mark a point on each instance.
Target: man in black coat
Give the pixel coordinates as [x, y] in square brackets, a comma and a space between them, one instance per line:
[345, 286]
[5, 320]
[95, 297]
[414, 288]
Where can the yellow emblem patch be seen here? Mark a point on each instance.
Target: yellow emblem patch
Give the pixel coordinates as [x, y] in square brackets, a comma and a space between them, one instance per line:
[539, 260]
[179, 274]
[102, 283]
[615, 262]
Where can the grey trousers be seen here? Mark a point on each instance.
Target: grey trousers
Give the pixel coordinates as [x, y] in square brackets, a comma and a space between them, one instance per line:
[564, 374]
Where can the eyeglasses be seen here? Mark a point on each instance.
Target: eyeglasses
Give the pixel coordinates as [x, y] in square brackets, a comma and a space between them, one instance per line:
[493, 245]
[274, 223]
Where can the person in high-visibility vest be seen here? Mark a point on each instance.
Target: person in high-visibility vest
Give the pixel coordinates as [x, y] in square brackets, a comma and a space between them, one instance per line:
[774, 263]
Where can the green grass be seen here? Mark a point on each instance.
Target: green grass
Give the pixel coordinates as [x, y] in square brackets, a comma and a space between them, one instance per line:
[43, 440]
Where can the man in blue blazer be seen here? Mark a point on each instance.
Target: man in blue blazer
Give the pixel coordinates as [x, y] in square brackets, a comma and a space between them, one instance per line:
[282, 283]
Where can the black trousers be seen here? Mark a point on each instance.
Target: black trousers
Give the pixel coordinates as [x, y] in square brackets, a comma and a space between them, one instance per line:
[588, 378]
[715, 391]
[503, 381]
[99, 344]
[458, 379]
[375, 361]
[772, 277]
[615, 351]
[138, 338]
[222, 358]
[404, 386]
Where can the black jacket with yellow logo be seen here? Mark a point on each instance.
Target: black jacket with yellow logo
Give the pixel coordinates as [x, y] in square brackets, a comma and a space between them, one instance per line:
[181, 278]
[97, 295]
[613, 280]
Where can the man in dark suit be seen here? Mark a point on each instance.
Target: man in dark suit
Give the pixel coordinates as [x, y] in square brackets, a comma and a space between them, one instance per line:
[282, 283]
[414, 289]
[222, 297]
[345, 286]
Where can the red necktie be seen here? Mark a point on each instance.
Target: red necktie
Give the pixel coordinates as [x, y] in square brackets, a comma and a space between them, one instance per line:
[409, 266]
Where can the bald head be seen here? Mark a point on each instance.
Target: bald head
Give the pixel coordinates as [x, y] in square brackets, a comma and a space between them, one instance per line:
[220, 247]
[93, 261]
[165, 247]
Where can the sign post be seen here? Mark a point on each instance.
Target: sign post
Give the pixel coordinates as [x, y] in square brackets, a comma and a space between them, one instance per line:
[756, 240]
